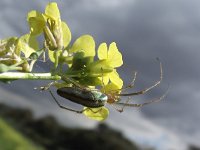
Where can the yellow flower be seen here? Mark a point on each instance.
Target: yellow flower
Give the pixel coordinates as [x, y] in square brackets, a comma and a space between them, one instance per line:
[98, 114]
[114, 59]
[57, 34]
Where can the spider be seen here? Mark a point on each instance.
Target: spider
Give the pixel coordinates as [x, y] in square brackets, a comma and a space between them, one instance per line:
[94, 98]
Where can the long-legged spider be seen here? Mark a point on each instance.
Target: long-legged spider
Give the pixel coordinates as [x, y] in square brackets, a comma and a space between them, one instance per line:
[94, 98]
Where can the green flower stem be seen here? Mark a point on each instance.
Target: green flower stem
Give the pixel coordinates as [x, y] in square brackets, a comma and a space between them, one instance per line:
[28, 76]
[31, 65]
[16, 68]
[56, 59]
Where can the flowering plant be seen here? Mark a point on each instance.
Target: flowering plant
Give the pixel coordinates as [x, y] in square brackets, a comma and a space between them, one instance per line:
[19, 54]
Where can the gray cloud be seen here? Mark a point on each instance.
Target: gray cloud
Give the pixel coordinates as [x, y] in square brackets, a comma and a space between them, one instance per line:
[143, 31]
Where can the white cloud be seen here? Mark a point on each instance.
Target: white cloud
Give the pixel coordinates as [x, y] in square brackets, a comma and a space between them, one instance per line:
[169, 29]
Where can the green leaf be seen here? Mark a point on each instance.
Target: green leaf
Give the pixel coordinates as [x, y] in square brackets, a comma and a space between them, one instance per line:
[36, 22]
[90, 81]
[36, 54]
[98, 114]
[80, 61]
[85, 43]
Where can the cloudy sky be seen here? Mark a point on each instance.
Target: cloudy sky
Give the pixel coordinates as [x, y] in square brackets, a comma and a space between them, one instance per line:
[143, 30]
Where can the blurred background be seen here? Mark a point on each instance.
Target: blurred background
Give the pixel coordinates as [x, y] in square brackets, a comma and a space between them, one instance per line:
[143, 30]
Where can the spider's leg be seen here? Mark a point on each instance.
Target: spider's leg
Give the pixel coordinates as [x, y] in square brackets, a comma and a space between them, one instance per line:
[147, 89]
[73, 82]
[63, 107]
[128, 86]
[44, 88]
[132, 82]
[121, 109]
[70, 80]
[103, 85]
[146, 103]
[92, 110]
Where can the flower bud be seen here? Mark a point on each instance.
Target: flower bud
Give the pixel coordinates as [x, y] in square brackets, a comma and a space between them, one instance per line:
[53, 35]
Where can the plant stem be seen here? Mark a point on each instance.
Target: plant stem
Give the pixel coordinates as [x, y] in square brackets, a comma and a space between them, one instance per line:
[28, 76]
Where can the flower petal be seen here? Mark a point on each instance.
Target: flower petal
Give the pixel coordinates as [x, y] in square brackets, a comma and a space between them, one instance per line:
[27, 44]
[52, 11]
[103, 51]
[105, 80]
[110, 88]
[66, 34]
[114, 56]
[85, 43]
[100, 67]
[98, 114]
[115, 79]
[36, 22]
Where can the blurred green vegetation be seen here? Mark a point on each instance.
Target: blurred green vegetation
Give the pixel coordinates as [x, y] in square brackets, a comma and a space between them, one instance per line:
[48, 133]
[10, 139]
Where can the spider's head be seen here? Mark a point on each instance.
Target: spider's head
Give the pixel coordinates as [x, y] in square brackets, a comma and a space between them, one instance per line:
[112, 98]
